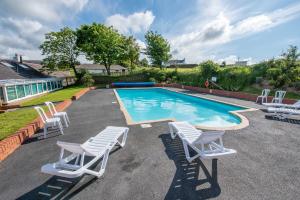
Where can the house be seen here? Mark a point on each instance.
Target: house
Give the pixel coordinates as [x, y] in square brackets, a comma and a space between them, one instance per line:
[241, 63]
[175, 62]
[100, 69]
[179, 64]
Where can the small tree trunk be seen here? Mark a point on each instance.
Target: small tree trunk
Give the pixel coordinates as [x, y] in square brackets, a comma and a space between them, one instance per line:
[75, 72]
[107, 67]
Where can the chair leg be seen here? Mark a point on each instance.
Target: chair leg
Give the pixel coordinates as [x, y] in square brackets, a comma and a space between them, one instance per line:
[122, 144]
[67, 117]
[186, 151]
[45, 131]
[172, 132]
[65, 121]
[60, 127]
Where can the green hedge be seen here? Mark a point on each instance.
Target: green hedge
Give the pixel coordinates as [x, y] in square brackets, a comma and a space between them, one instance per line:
[229, 78]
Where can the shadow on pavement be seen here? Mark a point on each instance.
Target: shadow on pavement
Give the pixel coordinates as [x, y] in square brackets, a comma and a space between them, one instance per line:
[191, 180]
[64, 188]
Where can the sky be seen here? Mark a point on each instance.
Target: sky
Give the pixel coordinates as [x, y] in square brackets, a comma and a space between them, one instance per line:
[197, 30]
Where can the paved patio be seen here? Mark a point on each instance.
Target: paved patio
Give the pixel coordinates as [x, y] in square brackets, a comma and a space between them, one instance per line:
[152, 166]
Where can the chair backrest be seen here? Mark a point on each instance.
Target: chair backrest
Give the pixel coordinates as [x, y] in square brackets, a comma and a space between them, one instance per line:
[280, 94]
[51, 107]
[265, 92]
[41, 113]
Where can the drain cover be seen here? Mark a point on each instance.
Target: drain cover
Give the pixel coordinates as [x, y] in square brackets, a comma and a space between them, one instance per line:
[146, 125]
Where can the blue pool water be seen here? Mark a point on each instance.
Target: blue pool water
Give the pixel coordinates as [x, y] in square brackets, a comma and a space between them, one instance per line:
[157, 104]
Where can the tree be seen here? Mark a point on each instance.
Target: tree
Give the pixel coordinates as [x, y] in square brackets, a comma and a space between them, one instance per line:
[101, 44]
[291, 56]
[157, 48]
[209, 69]
[60, 50]
[132, 51]
[223, 64]
[144, 62]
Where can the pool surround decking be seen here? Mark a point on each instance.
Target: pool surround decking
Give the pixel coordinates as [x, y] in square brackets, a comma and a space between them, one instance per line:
[153, 166]
[244, 121]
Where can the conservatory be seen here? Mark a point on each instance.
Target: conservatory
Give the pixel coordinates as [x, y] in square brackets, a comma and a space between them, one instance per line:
[12, 90]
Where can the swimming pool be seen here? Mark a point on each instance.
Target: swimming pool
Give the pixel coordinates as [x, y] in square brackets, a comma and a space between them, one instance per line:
[157, 104]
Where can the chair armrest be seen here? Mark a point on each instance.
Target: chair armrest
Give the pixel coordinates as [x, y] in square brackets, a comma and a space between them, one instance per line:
[71, 147]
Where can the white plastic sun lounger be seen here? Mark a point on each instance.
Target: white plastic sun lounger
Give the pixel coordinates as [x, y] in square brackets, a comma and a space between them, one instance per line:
[283, 112]
[203, 143]
[97, 148]
[282, 105]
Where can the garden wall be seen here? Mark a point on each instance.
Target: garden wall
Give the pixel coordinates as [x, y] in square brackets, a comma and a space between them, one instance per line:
[224, 93]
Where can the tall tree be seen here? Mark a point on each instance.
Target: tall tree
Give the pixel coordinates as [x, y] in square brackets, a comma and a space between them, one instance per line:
[60, 50]
[291, 56]
[101, 44]
[157, 48]
[132, 51]
[144, 62]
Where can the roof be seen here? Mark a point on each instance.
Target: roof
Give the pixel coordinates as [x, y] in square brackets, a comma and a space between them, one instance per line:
[176, 62]
[183, 66]
[7, 82]
[99, 67]
[37, 65]
[8, 73]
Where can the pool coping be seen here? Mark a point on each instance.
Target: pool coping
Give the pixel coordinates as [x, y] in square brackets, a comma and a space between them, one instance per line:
[244, 121]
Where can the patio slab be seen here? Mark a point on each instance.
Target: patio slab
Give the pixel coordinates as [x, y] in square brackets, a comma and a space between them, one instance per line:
[152, 166]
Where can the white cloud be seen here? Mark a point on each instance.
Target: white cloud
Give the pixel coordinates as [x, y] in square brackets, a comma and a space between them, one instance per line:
[141, 44]
[50, 11]
[135, 23]
[23, 24]
[200, 43]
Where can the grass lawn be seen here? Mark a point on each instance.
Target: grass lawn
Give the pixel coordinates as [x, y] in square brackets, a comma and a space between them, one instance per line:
[254, 90]
[59, 95]
[12, 121]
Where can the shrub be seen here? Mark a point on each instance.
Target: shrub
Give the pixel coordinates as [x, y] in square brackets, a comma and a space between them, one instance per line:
[209, 69]
[152, 79]
[234, 79]
[87, 80]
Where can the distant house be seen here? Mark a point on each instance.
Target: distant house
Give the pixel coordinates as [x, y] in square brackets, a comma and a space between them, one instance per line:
[241, 63]
[100, 69]
[175, 62]
[179, 64]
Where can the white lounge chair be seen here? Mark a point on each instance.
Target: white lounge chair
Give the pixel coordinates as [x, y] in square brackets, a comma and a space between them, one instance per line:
[203, 143]
[263, 96]
[62, 115]
[282, 105]
[283, 113]
[98, 147]
[49, 122]
[279, 96]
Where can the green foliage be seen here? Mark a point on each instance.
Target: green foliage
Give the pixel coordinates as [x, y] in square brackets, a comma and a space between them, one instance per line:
[60, 50]
[86, 78]
[209, 69]
[132, 51]
[285, 71]
[234, 79]
[12, 121]
[144, 62]
[158, 48]
[102, 44]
